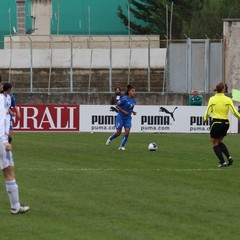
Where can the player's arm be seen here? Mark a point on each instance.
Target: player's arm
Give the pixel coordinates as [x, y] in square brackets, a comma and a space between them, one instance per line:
[121, 110]
[18, 113]
[134, 113]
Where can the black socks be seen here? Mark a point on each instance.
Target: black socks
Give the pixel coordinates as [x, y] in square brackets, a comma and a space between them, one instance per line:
[224, 149]
[219, 154]
[219, 150]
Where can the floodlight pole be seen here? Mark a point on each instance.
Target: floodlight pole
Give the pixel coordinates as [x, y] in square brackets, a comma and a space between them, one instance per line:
[10, 21]
[58, 17]
[129, 22]
[171, 17]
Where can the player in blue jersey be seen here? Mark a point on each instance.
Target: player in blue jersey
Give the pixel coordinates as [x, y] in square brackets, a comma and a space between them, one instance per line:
[16, 113]
[124, 117]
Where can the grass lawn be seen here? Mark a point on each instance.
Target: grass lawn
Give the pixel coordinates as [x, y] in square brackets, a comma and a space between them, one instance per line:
[79, 188]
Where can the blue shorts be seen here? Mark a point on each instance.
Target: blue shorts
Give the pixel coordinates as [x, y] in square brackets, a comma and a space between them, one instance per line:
[121, 122]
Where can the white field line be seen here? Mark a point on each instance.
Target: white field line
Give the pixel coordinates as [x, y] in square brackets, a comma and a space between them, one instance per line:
[123, 169]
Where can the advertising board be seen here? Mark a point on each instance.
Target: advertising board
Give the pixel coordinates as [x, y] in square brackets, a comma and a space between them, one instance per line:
[101, 118]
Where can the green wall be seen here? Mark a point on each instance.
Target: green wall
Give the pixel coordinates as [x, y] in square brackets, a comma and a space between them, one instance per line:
[74, 17]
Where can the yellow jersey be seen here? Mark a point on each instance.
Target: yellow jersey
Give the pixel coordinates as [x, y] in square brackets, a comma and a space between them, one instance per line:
[219, 106]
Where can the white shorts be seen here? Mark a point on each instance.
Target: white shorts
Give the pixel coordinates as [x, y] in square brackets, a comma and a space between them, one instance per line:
[6, 158]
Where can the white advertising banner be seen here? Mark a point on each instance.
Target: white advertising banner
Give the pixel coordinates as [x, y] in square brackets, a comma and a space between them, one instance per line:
[165, 119]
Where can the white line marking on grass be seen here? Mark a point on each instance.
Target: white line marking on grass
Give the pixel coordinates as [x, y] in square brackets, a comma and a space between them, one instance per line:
[122, 169]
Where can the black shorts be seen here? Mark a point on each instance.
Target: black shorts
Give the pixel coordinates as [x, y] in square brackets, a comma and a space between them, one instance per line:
[219, 128]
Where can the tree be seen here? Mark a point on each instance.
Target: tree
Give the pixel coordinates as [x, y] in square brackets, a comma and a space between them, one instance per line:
[149, 14]
[209, 21]
[150, 17]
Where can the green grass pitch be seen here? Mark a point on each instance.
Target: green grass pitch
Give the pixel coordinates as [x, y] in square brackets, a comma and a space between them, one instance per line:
[80, 189]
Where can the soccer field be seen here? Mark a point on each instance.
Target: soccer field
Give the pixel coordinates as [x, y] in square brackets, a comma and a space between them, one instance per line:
[79, 188]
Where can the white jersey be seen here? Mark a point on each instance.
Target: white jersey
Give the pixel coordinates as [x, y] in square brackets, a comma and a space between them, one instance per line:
[4, 116]
[6, 158]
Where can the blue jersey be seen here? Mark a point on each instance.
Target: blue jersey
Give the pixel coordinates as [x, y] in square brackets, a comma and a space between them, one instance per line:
[13, 101]
[122, 120]
[127, 104]
[13, 104]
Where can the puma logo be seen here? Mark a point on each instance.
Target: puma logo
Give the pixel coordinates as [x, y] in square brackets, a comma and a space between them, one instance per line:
[162, 109]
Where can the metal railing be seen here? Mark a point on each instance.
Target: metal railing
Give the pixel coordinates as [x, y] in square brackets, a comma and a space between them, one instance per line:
[30, 54]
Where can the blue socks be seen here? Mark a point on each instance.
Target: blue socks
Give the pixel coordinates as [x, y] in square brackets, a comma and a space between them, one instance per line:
[113, 136]
[124, 140]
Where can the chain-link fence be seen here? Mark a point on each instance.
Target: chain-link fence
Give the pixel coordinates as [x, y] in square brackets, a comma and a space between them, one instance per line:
[83, 63]
[100, 63]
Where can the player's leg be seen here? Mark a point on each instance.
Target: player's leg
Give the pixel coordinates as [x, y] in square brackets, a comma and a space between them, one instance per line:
[218, 152]
[216, 137]
[226, 153]
[127, 127]
[124, 139]
[118, 126]
[223, 146]
[7, 166]
[11, 187]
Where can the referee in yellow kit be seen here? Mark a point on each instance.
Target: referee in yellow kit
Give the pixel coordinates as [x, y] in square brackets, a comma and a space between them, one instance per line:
[219, 106]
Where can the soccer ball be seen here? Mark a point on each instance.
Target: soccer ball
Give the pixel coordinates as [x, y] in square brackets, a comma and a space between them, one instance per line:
[152, 146]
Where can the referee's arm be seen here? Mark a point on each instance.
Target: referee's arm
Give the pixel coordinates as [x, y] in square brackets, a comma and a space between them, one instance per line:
[208, 111]
[233, 109]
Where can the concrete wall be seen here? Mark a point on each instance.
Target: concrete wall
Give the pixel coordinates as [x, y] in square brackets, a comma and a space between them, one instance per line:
[82, 52]
[41, 16]
[82, 41]
[21, 17]
[82, 58]
[104, 98]
[231, 33]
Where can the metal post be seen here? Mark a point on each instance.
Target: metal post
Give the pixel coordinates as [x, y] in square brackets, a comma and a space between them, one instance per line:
[130, 59]
[129, 21]
[207, 65]
[50, 68]
[222, 62]
[171, 17]
[71, 66]
[58, 16]
[89, 20]
[10, 64]
[31, 66]
[149, 65]
[167, 24]
[90, 71]
[189, 65]
[165, 73]
[10, 21]
[110, 64]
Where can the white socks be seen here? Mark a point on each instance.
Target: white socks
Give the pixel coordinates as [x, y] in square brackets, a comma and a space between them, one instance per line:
[12, 190]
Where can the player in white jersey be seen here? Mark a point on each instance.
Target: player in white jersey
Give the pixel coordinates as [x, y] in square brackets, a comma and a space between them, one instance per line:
[6, 159]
